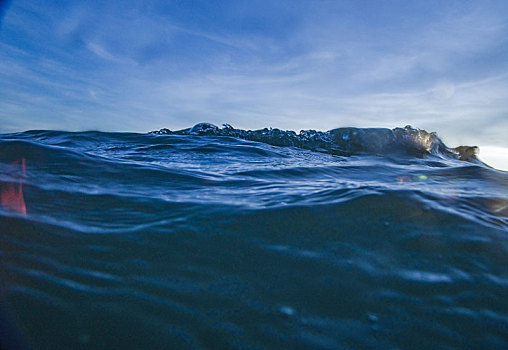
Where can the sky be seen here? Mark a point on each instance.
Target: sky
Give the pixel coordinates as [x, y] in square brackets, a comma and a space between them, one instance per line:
[143, 65]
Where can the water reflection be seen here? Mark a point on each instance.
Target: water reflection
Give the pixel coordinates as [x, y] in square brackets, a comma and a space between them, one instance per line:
[11, 193]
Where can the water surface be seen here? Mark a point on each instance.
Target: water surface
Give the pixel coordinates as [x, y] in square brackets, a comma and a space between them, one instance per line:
[222, 238]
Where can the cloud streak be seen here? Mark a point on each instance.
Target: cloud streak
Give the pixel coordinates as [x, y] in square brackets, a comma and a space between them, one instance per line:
[311, 65]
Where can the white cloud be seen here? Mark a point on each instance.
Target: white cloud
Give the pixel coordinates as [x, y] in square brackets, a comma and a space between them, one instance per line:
[100, 51]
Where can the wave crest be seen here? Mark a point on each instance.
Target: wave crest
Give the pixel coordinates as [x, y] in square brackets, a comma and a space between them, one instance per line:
[342, 141]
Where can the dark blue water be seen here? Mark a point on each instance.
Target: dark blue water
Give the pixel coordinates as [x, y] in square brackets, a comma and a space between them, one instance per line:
[229, 239]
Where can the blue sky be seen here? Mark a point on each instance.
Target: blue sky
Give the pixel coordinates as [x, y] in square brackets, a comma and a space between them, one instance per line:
[143, 65]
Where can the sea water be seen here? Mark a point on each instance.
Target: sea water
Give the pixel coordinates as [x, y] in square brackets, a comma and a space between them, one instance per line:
[220, 238]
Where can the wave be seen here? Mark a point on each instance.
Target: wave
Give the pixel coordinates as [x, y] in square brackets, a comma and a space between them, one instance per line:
[343, 141]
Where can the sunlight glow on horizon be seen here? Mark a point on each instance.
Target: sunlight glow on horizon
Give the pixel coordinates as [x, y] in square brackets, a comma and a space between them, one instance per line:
[496, 157]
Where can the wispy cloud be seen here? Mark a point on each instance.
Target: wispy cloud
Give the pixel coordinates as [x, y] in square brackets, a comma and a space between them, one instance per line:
[437, 66]
[100, 51]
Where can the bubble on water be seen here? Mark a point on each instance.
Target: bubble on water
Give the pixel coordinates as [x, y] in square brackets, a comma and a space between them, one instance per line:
[372, 318]
[287, 311]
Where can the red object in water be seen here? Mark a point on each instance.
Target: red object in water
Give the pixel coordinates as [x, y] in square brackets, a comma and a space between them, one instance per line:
[11, 193]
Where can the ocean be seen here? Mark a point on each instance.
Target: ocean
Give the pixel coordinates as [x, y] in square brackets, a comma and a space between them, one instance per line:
[221, 238]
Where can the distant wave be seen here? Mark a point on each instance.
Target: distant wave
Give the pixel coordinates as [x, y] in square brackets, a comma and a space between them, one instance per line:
[343, 141]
